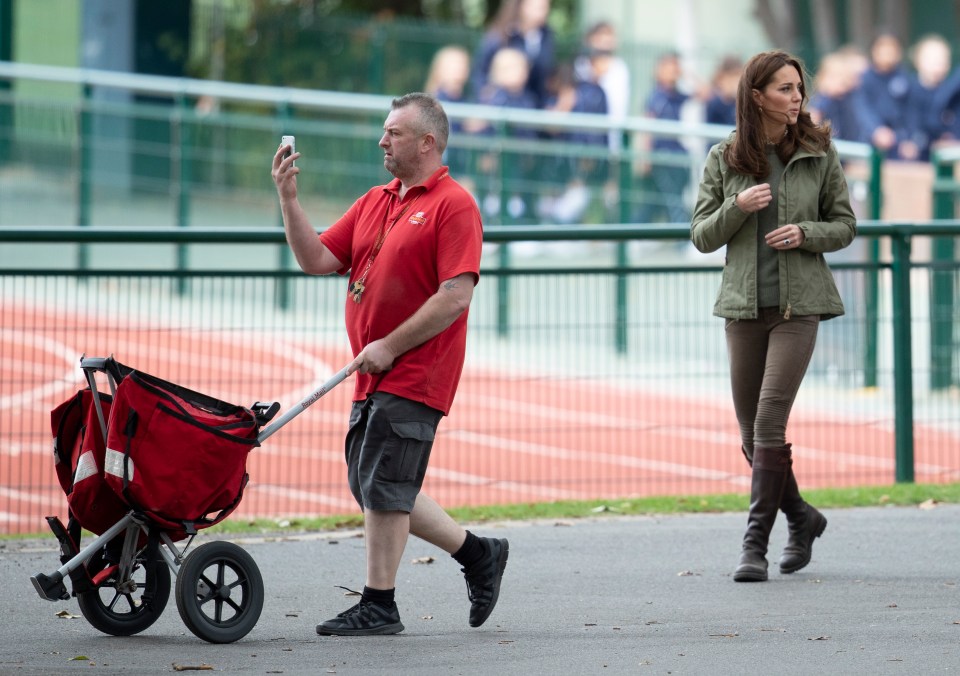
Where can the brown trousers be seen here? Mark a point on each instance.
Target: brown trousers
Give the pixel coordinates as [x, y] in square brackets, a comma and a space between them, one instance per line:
[768, 359]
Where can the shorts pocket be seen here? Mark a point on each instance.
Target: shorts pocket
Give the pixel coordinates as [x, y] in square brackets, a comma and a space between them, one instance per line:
[408, 451]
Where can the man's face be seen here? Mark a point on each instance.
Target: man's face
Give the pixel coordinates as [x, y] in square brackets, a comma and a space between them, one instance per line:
[401, 142]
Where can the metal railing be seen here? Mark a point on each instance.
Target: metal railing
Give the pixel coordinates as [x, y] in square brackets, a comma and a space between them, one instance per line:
[106, 132]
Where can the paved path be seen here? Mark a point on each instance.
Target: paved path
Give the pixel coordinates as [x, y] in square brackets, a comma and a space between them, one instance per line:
[601, 596]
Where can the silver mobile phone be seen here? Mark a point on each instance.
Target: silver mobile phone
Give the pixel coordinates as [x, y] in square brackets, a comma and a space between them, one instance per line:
[292, 142]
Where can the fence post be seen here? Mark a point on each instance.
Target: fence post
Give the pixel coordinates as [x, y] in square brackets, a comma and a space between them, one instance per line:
[625, 179]
[283, 291]
[503, 254]
[942, 301]
[902, 358]
[503, 290]
[872, 281]
[181, 164]
[620, 312]
[84, 140]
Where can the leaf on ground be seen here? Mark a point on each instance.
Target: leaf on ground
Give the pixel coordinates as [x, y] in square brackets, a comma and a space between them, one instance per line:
[67, 615]
[892, 605]
[687, 573]
[423, 559]
[504, 641]
[427, 617]
[928, 504]
[192, 667]
[79, 658]
[733, 635]
[819, 638]
[603, 508]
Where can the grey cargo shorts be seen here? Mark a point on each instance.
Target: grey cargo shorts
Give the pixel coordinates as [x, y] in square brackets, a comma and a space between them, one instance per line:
[387, 449]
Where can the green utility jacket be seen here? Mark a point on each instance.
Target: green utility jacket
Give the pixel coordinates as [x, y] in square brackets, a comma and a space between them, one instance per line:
[813, 195]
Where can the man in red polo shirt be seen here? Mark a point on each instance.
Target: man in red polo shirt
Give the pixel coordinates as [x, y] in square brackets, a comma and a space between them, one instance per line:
[412, 250]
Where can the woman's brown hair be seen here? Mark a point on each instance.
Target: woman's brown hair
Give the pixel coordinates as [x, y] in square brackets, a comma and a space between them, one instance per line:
[747, 153]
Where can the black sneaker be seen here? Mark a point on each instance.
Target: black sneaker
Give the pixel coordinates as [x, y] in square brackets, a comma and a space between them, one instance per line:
[483, 580]
[363, 619]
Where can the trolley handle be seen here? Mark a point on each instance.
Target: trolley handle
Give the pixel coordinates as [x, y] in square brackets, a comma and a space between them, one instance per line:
[304, 404]
[115, 373]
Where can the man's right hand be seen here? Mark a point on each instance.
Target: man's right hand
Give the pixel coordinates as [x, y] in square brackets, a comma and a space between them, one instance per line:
[285, 173]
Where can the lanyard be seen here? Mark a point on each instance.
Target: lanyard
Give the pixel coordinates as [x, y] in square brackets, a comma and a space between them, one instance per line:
[359, 285]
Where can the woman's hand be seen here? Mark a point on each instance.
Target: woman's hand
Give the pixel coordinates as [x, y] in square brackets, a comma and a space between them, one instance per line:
[786, 237]
[755, 198]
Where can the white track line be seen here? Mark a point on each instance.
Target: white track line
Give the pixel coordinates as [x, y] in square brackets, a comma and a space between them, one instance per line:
[690, 433]
[438, 473]
[305, 496]
[575, 455]
[30, 497]
[64, 382]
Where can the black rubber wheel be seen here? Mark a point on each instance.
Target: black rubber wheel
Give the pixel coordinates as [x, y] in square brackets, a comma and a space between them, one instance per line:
[219, 592]
[117, 607]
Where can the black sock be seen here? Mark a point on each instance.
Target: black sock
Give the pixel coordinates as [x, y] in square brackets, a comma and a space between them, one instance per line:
[472, 551]
[382, 597]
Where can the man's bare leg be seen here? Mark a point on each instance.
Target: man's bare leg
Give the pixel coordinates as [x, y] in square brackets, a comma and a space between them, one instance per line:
[429, 521]
[386, 535]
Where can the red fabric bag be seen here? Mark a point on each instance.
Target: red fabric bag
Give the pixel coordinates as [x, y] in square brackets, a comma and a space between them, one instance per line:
[177, 455]
[78, 451]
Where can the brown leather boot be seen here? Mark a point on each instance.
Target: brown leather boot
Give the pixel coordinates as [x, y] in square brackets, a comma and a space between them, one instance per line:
[804, 525]
[770, 469]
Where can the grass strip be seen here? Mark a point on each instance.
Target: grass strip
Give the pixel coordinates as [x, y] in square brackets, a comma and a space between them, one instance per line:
[823, 498]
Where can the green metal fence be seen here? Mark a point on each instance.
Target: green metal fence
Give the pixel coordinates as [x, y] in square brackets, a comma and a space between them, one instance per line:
[552, 404]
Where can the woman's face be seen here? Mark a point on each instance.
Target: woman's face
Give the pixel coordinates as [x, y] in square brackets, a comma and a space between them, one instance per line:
[781, 99]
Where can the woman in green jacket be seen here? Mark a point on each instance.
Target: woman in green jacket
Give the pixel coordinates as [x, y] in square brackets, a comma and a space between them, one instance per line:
[774, 193]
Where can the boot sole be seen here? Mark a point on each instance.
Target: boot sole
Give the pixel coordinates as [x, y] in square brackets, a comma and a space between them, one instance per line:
[383, 630]
[750, 576]
[817, 532]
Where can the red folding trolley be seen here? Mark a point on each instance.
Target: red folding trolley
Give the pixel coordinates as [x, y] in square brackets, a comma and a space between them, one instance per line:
[144, 468]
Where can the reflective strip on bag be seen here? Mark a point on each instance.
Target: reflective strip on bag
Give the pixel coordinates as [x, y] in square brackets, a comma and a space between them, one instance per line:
[113, 464]
[86, 467]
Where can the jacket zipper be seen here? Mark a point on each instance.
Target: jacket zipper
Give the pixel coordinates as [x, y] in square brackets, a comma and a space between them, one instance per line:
[786, 266]
[786, 260]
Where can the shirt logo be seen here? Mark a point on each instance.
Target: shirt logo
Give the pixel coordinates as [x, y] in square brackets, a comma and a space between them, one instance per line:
[418, 218]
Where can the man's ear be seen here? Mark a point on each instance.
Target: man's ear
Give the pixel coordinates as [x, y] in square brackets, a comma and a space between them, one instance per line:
[428, 142]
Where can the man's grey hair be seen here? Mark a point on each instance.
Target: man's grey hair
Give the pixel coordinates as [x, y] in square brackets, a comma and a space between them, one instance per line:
[432, 117]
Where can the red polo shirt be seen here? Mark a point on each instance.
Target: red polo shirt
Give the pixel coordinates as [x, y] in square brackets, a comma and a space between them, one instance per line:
[433, 234]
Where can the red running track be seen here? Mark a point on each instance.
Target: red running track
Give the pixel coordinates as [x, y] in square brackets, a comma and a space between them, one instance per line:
[510, 438]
